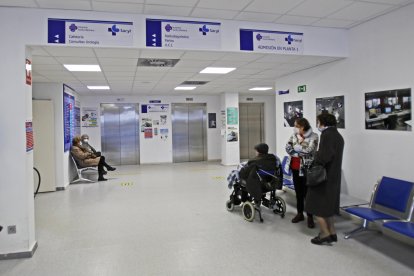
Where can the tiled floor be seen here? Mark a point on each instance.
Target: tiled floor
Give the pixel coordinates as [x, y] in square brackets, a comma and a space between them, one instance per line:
[171, 220]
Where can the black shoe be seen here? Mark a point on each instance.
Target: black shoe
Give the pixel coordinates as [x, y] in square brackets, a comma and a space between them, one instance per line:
[298, 218]
[311, 223]
[320, 241]
[102, 179]
[334, 238]
[111, 169]
[1, 228]
[104, 172]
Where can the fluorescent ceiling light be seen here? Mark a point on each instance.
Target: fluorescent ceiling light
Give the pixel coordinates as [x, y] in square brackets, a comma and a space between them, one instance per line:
[217, 70]
[103, 87]
[260, 88]
[185, 88]
[82, 68]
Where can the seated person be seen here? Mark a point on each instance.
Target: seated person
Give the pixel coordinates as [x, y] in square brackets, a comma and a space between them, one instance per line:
[86, 146]
[88, 159]
[263, 160]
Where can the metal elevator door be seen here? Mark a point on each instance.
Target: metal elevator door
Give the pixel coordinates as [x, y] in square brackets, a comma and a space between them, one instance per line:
[251, 128]
[189, 123]
[120, 133]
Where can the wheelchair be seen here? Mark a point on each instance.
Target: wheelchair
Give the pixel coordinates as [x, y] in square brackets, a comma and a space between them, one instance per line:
[269, 182]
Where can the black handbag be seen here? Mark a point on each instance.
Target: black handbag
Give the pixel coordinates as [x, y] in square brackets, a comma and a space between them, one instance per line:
[315, 175]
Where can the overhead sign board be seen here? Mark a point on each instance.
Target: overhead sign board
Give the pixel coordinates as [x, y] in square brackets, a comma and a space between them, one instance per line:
[271, 42]
[89, 32]
[179, 34]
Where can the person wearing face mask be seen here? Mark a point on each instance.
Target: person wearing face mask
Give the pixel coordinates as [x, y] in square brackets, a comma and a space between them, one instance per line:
[301, 148]
[323, 200]
[88, 159]
[86, 146]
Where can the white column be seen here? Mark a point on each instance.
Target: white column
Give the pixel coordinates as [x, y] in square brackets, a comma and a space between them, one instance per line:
[230, 150]
[16, 165]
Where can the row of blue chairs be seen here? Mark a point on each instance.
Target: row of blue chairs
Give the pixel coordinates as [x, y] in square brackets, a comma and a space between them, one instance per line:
[391, 207]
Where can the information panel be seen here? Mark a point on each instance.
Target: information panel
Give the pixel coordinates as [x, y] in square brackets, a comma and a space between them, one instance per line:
[90, 32]
[69, 122]
[178, 34]
[271, 42]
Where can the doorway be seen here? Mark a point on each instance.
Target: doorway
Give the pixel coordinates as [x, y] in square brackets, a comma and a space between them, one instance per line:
[120, 133]
[189, 123]
[251, 128]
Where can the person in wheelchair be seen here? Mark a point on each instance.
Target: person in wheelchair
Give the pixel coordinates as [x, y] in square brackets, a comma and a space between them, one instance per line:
[258, 172]
[253, 180]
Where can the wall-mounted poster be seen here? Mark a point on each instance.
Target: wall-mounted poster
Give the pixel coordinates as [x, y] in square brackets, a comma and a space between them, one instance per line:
[334, 106]
[388, 110]
[89, 117]
[68, 118]
[232, 116]
[148, 133]
[29, 136]
[164, 134]
[232, 134]
[293, 111]
[212, 121]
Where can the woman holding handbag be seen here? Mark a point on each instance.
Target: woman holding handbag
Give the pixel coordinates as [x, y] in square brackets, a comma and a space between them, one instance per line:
[322, 200]
[301, 148]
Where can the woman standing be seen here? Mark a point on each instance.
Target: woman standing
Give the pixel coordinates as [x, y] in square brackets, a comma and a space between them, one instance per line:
[87, 159]
[301, 148]
[323, 200]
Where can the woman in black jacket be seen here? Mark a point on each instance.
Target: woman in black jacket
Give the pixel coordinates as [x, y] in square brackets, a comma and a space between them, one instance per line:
[323, 200]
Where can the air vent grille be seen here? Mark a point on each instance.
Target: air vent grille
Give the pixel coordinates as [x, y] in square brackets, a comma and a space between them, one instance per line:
[194, 82]
[156, 62]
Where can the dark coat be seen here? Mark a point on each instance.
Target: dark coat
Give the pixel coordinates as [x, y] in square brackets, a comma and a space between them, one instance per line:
[323, 200]
[84, 158]
[266, 162]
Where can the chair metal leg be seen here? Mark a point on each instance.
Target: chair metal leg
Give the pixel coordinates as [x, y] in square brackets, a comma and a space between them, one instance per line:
[362, 228]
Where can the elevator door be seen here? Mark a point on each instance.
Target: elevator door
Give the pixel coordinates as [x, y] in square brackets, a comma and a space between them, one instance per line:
[189, 124]
[251, 128]
[120, 133]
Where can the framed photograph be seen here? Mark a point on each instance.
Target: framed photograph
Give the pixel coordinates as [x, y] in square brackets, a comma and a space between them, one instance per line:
[293, 111]
[388, 110]
[334, 106]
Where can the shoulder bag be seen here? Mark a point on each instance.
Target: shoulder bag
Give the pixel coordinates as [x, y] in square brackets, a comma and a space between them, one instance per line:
[315, 175]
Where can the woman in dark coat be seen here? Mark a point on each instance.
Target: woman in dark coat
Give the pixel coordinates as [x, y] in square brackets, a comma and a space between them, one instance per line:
[323, 200]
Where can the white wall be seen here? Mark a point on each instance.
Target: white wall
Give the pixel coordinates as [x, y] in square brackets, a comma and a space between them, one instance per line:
[54, 92]
[381, 58]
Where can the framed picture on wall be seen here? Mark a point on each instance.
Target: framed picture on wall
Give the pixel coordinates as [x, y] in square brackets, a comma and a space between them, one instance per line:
[334, 106]
[292, 111]
[388, 110]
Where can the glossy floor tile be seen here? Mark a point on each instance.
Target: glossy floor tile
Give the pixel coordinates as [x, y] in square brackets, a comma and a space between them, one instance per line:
[171, 220]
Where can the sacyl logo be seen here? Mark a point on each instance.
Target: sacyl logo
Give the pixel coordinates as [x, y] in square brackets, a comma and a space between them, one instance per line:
[259, 37]
[73, 28]
[204, 30]
[289, 39]
[113, 30]
[168, 28]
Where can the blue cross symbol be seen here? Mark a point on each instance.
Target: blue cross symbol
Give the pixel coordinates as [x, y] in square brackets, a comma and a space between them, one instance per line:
[289, 39]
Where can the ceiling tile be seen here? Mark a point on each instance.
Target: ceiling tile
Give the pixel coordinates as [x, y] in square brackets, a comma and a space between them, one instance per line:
[257, 16]
[156, 53]
[167, 10]
[48, 67]
[360, 11]
[184, 3]
[228, 63]
[43, 60]
[391, 2]
[243, 56]
[214, 14]
[38, 51]
[121, 1]
[18, 3]
[334, 23]
[272, 6]
[236, 5]
[118, 7]
[116, 53]
[118, 68]
[77, 60]
[70, 51]
[319, 8]
[39, 78]
[203, 55]
[296, 20]
[275, 58]
[120, 74]
[118, 61]
[65, 5]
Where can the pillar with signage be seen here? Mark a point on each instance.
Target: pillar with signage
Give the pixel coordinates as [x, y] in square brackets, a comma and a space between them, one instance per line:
[230, 145]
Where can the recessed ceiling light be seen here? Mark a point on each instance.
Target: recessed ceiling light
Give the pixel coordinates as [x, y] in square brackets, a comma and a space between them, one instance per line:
[185, 88]
[102, 87]
[217, 70]
[82, 68]
[260, 88]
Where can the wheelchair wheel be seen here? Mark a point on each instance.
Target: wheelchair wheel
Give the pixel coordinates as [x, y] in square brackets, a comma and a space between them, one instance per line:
[279, 207]
[248, 211]
[229, 205]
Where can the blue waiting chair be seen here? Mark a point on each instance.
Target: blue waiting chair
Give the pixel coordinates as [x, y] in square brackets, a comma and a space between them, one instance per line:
[391, 200]
[287, 175]
[401, 230]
